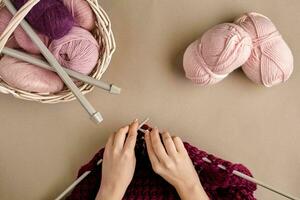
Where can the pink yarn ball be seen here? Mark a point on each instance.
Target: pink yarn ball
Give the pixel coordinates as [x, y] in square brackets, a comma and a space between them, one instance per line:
[221, 49]
[26, 43]
[19, 38]
[78, 50]
[5, 17]
[28, 77]
[271, 60]
[81, 12]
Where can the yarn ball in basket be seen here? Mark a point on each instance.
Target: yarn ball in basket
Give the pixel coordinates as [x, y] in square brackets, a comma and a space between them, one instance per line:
[220, 50]
[82, 13]
[78, 50]
[28, 77]
[5, 17]
[20, 37]
[271, 60]
[26, 43]
[49, 17]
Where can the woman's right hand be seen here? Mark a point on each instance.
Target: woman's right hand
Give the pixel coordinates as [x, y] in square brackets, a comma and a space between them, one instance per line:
[170, 160]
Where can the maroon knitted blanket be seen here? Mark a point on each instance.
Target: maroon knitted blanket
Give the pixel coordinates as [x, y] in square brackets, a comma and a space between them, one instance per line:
[146, 185]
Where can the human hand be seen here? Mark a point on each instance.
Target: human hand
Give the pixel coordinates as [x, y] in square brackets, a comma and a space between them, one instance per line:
[118, 163]
[171, 161]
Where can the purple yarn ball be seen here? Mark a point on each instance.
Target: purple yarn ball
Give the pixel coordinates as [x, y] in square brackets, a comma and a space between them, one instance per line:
[49, 17]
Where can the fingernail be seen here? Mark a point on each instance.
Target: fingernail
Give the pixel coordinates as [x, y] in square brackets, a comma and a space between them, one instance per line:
[136, 120]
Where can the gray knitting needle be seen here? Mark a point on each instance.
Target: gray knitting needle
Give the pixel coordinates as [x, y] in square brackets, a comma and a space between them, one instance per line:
[95, 116]
[85, 174]
[258, 182]
[113, 89]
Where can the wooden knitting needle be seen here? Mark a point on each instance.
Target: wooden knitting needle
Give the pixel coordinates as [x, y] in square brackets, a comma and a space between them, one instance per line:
[85, 174]
[113, 89]
[95, 116]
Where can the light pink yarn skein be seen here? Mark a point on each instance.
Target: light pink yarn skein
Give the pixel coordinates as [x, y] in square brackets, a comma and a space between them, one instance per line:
[271, 60]
[28, 77]
[19, 38]
[221, 49]
[26, 43]
[78, 50]
[5, 17]
[82, 13]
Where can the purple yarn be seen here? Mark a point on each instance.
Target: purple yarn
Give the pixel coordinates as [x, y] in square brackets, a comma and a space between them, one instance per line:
[49, 17]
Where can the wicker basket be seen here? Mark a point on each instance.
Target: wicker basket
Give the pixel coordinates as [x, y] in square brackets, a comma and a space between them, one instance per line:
[103, 34]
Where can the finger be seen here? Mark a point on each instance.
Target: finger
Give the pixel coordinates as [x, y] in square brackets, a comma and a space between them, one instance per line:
[132, 134]
[153, 159]
[169, 144]
[157, 145]
[110, 142]
[120, 136]
[179, 144]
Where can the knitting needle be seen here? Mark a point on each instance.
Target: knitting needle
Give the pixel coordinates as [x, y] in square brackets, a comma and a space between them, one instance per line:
[95, 116]
[85, 174]
[113, 89]
[253, 180]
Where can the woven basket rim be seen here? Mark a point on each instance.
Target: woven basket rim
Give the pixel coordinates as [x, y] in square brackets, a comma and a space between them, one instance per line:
[105, 38]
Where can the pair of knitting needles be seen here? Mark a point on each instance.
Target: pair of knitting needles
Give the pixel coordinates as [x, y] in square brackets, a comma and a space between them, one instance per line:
[235, 172]
[55, 66]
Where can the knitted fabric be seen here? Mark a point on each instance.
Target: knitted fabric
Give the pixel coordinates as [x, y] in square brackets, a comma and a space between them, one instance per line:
[146, 185]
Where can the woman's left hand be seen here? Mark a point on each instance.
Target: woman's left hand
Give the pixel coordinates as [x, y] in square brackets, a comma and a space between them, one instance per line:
[118, 163]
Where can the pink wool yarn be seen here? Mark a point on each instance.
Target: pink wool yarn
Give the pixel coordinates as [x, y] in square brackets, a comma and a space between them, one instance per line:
[5, 17]
[28, 77]
[26, 43]
[221, 49]
[78, 50]
[81, 12]
[271, 60]
[19, 38]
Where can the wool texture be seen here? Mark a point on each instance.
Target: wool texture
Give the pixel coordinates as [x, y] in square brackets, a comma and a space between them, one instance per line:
[271, 60]
[28, 77]
[221, 49]
[49, 17]
[82, 13]
[78, 50]
[5, 17]
[19, 39]
[147, 185]
[26, 43]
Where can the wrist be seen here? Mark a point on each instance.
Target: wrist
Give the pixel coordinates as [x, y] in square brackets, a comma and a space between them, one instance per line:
[191, 192]
[109, 192]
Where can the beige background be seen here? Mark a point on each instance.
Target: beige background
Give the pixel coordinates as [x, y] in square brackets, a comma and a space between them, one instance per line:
[42, 146]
